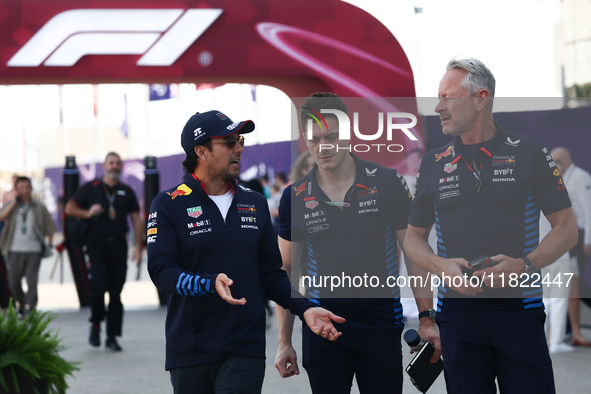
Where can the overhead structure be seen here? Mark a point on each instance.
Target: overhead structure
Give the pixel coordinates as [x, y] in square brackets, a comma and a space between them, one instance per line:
[299, 47]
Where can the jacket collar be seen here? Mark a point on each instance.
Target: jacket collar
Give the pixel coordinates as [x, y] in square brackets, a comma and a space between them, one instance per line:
[197, 185]
[485, 151]
[362, 171]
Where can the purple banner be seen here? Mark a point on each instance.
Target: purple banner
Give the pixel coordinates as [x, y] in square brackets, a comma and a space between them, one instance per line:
[256, 161]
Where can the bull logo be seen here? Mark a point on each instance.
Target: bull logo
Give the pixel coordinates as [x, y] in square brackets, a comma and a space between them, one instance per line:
[300, 189]
[447, 152]
[182, 190]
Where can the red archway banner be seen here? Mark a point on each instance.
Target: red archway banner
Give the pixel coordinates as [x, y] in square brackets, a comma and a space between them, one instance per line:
[297, 46]
[78, 41]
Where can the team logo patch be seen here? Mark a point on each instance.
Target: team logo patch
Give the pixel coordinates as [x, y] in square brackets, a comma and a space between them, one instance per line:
[556, 172]
[373, 192]
[503, 160]
[300, 189]
[448, 151]
[512, 143]
[561, 185]
[314, 214]
[370, 173]
[315, 229]
[222, 116]
[246, 208]
[233, 126]
[182, 190]
[194, 212]
[453, 178]
[311, 202]
[197, 133]
[450, 167]
[454, 193]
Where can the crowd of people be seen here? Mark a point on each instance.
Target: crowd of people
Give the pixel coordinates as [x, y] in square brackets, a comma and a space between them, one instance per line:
[219, 248]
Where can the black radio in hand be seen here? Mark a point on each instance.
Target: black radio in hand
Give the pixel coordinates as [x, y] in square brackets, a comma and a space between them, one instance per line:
[481, 263]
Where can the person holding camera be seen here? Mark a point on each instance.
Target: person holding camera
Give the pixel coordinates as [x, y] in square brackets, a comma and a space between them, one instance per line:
[484, 190]
[27, 223]
[107, 201]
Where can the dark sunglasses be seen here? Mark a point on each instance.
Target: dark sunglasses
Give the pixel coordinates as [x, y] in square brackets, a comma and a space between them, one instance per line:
[231, 141]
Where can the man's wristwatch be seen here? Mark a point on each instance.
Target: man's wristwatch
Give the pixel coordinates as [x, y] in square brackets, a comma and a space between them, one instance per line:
[430, 313]
[529, 267]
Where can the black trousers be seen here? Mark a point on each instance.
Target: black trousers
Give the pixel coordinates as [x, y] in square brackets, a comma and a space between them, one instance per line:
[369, 350]
[108, 268]
[510, 345]
[237, 375]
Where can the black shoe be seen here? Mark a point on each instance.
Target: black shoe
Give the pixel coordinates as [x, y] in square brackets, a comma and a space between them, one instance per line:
[95, 337]
[21, 312]
[113, 345]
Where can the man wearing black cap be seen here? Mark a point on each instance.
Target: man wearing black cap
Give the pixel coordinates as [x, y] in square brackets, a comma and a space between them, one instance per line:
[201, 233]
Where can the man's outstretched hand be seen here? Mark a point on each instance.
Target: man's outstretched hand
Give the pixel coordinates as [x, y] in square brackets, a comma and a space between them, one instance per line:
[320, 322]
[222, 286]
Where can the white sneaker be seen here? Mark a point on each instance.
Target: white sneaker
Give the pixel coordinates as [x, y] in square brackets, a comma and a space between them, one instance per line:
[561, 348]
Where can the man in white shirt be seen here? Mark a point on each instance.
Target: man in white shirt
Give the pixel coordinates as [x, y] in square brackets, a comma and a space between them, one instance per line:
[578, 185]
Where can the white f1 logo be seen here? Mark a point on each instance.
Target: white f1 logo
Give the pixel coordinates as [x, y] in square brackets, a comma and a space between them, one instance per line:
[72, 34]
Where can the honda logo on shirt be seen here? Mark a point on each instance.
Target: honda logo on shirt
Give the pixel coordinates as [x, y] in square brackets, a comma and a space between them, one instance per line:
[161, 35]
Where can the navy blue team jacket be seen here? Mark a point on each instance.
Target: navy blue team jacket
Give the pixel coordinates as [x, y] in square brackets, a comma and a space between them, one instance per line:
[189, 244]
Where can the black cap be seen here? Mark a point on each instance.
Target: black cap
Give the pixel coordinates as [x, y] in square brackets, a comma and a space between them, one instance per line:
[211, 124]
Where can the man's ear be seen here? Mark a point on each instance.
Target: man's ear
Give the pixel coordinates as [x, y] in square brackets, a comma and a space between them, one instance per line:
[201, 152]
[483, 98]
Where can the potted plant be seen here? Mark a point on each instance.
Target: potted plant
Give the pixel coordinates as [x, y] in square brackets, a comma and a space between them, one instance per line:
[29, 355]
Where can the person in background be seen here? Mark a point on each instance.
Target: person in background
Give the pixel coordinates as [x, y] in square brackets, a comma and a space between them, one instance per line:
[301, 166]
[281, 180]
[266, 187]
[578, 185]
[276, 191]
[556, 298]
[107, 202]
[28, 223]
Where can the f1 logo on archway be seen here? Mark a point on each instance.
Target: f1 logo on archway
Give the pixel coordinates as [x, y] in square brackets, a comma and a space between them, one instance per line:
[161, 35]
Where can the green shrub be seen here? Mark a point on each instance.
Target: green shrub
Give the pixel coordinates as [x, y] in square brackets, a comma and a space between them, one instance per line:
[28, 349]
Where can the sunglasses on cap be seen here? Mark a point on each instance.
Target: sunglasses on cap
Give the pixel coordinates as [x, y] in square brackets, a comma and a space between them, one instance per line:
[231, 141]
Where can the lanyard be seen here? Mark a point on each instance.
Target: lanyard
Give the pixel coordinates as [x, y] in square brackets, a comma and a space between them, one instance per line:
[476, 171]
[111, 197]
[24, 211]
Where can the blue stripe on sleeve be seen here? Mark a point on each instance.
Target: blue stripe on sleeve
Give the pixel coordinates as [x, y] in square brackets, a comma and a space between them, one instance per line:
[178, 283]
[184, 286]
